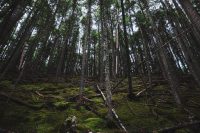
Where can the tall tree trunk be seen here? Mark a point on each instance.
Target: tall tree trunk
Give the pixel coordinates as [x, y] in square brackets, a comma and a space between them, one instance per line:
[26, 34]
[190, 60]
[71, 26]
[191, 12]
[86, 41]
[105, 43]
[128, 61]
[10, 21]
[168, 70]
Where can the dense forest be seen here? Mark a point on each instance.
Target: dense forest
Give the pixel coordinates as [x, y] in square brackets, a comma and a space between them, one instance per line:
[99, 66]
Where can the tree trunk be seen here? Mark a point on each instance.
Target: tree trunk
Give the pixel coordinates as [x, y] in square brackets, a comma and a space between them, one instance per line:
[61, 60]
[26, 34]
[10, 21]
[168, 70]
[191, 12]
[128, 61]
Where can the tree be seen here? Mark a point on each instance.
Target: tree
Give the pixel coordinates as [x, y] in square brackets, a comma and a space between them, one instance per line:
[128, 61]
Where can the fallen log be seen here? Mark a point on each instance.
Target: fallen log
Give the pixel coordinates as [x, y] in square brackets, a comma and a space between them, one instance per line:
[18, 101]
[144, 90]
[173, 129]
[139, 93]
[102, 94]
[47, 96]
[39, 94]
[116, 117]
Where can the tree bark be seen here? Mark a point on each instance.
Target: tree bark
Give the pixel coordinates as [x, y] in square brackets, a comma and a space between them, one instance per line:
[10, 21]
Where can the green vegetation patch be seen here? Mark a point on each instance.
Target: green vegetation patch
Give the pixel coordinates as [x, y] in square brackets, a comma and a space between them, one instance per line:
[95, 124]
[137, 115]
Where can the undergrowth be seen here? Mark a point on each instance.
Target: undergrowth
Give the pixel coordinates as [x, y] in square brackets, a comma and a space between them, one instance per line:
[141, 115]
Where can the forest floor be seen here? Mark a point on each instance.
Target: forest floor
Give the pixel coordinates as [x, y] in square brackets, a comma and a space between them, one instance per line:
[44, 107]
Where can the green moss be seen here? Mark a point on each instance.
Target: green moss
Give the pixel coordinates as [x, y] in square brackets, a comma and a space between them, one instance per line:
[35, 98]
[82, 128]
[103, 110]
[118, 97]
[48, 86]
[95, 124]
[71, 92]
[135, 115]
[30, 87]
[172, 114]
[5, 84]
[73, 112]
[98, 100]
[89, 91]
[61, 105]
[87, 121]
[45, 128]
[62, 85]
[45, 119]
[160, 88]
[40, 86]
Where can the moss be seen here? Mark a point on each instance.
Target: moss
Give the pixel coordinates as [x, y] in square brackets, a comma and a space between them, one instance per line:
[63, 85]
[88, 121]
[72, 91]
[103, 111]
[160, 88]
[82, 128]
[45, 128]
[98, 100]
[6, 84]
[89, 91]
[95, 124]
[47, 119]
[73, 112]
[35, 98]
[61, 105]
[30, 87]
[39, 86]
[118, 97]
[48, 86]
[135, 115]
[173, 114]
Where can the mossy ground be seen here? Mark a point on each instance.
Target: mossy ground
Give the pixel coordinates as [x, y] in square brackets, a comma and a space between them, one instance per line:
[139, 115]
